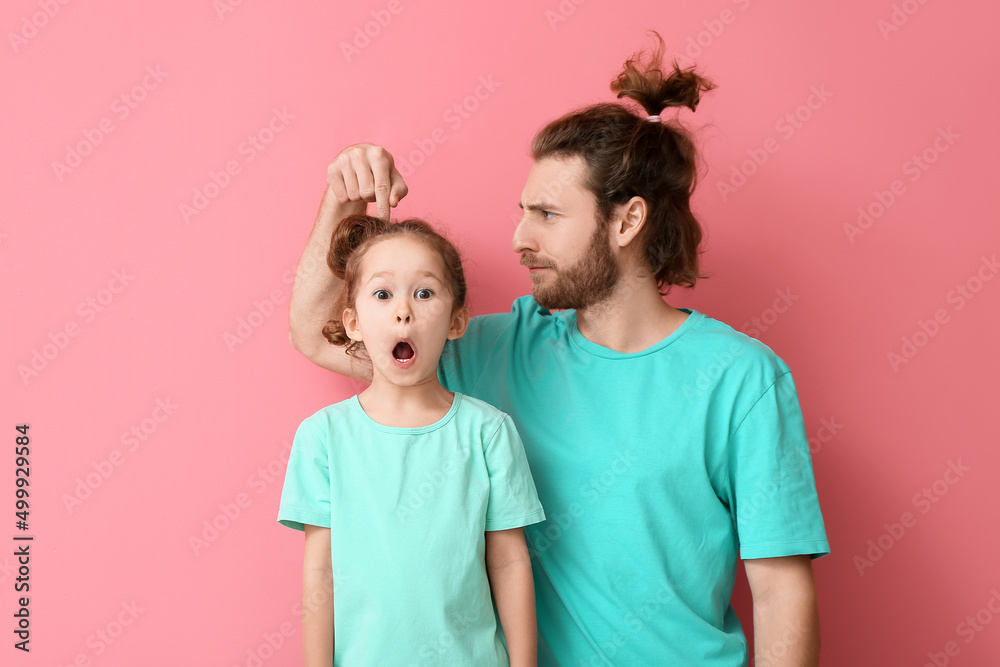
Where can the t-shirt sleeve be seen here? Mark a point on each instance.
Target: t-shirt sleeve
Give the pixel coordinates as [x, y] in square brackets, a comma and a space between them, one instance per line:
[776, 508]
[305, 497]
[513, 500]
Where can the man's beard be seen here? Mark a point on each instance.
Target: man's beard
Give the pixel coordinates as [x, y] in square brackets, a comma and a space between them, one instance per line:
[588, 282]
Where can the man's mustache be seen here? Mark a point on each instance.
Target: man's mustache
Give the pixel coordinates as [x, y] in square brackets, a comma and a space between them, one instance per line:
[531, 260]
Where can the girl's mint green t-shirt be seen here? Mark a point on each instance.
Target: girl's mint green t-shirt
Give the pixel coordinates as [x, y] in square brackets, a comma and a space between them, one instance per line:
[407, 510]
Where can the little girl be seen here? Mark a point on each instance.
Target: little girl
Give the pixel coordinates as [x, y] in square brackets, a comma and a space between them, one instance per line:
[412, 498]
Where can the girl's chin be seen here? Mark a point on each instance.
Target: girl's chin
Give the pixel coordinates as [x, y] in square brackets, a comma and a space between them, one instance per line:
[407, 376]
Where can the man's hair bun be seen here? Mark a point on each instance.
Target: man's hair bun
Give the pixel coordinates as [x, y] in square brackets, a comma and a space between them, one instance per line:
[642, 79]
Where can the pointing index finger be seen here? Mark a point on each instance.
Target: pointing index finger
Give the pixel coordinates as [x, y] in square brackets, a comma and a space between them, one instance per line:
[382, 197]
[381, 171]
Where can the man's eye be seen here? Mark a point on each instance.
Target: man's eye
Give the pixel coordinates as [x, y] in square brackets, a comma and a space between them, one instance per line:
[424, 293]
[546, 214]
[382, 294]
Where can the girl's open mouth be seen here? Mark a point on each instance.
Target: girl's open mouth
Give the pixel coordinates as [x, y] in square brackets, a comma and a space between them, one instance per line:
[404, 353]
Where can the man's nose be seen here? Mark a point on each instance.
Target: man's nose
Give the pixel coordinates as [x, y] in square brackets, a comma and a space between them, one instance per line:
[523, 240]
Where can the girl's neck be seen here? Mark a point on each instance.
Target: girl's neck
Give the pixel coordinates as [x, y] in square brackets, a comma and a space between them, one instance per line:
[406, 407]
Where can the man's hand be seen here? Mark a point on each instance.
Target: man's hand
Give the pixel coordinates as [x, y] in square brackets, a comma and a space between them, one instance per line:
[359, 174]
[366, 172]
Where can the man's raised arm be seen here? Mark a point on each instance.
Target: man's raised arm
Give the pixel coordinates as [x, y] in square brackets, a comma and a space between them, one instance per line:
[360, 174]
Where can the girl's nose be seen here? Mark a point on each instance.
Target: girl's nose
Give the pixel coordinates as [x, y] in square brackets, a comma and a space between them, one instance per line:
[403, 312]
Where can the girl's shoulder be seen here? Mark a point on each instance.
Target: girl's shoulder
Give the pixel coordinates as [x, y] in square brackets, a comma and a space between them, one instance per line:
[484, 410]
[482, 419]
[330, 414]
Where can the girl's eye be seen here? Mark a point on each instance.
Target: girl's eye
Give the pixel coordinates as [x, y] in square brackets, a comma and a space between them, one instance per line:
[382, 294]
[424, 293]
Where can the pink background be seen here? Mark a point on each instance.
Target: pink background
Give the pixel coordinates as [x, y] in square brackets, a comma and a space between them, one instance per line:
[187, 342]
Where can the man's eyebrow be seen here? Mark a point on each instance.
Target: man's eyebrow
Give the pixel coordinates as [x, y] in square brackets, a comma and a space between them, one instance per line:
[538, 206]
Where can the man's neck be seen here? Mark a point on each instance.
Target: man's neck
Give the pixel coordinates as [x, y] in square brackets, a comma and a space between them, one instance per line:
[632, 319]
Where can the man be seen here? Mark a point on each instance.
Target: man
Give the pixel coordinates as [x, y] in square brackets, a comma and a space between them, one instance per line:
[662, 442]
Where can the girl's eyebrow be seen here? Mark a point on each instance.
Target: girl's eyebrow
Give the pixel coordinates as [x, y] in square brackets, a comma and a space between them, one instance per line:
[430, 274]
[425, 274]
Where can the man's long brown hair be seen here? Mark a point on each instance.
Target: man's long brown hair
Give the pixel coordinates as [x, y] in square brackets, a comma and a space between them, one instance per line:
[627, 156]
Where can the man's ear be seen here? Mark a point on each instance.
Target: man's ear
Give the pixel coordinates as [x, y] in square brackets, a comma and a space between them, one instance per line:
[459, 322]
[350, 319]
[629, 220]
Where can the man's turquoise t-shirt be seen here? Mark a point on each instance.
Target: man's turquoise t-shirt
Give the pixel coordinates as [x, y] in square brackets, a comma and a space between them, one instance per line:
[407, 510]
[656, 470]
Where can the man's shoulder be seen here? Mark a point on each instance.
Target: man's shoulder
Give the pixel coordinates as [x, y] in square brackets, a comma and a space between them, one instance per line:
[525, 320]
[522, 309]
[716, 342]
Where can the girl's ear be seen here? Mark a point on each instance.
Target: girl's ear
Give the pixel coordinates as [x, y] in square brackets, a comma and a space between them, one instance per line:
[350, 320]
[459, 321]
